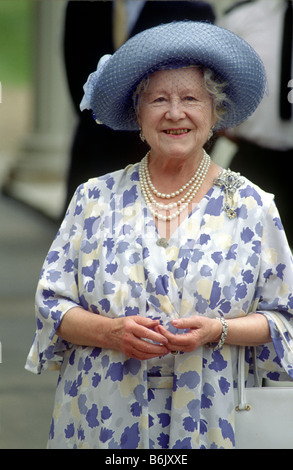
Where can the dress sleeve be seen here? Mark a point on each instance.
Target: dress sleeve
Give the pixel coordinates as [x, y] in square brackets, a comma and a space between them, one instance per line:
[57, 290]
[275, 297]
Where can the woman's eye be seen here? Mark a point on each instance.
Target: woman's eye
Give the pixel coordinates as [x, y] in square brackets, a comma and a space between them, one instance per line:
[160, 99]
[190, 98]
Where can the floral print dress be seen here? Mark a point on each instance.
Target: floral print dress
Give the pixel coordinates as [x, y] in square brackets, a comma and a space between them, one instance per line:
[108, 258]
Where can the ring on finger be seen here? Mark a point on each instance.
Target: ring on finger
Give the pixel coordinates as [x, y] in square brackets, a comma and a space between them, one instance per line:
[174, 353]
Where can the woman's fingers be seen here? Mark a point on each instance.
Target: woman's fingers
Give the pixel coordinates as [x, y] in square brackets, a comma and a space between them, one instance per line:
[140, 340]
[144, 350]
[201, 330]
[176, 342]
[150, 335]
[184, 342]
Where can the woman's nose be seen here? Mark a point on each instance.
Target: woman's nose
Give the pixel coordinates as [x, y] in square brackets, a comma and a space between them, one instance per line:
[175, 110]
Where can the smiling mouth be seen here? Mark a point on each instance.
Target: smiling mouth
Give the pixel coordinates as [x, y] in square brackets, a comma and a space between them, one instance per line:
[176, 131]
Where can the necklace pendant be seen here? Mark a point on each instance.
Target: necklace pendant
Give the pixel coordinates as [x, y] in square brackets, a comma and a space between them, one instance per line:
[162, 242]
[231, 213]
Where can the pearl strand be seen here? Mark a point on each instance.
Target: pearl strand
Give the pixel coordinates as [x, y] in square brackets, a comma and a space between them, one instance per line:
[195, 182]
[201, 172]
[175, 193]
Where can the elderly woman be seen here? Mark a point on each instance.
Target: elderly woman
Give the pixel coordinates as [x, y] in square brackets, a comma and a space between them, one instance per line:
[161, 270]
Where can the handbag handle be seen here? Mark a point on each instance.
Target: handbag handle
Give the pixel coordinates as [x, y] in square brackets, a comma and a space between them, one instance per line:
[242, 403]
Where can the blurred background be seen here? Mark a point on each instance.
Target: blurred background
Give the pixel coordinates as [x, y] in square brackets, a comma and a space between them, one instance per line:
[37, 122]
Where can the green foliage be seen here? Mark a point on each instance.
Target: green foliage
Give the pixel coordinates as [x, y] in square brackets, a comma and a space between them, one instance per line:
[16, 36]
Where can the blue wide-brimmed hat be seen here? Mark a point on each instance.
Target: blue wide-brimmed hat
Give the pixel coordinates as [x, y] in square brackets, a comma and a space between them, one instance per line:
[109, 90]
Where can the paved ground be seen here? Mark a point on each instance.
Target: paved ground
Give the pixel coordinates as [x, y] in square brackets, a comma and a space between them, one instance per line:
[26, 400]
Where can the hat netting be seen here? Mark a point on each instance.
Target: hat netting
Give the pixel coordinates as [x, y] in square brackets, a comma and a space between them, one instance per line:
[232, 60]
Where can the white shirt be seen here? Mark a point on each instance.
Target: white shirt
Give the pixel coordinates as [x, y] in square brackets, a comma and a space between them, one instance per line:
[260, 24]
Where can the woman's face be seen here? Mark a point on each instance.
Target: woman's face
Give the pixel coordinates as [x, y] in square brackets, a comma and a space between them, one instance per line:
[175, 112]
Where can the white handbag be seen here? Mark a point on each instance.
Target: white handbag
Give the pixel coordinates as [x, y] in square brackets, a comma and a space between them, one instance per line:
[263, 415]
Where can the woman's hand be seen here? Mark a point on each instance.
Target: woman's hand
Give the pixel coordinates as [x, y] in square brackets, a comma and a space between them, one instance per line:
[202, 330]
[246, 330]
[136, 337]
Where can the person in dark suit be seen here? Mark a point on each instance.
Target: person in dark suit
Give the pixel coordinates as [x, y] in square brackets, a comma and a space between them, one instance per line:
[88, 35]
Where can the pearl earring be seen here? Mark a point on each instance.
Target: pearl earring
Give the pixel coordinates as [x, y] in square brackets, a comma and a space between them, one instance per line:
[141, 135]
[210, 134]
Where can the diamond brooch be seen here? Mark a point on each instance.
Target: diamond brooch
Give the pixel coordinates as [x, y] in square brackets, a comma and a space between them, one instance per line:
[230, 181]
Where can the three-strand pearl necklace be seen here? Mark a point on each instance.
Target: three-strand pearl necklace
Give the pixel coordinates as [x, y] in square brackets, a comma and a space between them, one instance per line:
[192, 186]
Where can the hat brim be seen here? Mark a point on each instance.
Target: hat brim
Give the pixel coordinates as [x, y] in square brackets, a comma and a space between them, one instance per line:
[231, 58]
